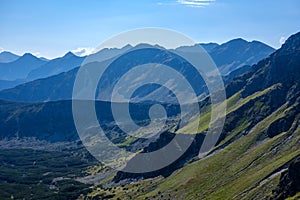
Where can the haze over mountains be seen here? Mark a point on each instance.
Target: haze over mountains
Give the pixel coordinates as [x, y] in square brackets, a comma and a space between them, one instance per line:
[257, 155]
[6, 57]
[259, 150]
[269, 72]
[228, 57]
[20, 68]
[56, 66]
[234, 53]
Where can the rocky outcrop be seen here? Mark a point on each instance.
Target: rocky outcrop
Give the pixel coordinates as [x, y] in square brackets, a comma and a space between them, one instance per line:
[289, 184]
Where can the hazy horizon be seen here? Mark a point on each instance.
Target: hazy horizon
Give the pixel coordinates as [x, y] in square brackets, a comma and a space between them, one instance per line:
[52, 28]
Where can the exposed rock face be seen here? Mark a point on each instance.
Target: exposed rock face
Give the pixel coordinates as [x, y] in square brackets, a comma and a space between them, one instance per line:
[283, 124]
[163, 140]
[280, 67]
[289, 183]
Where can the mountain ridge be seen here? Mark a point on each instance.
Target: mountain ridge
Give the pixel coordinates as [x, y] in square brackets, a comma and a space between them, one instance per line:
[20, 68]
[6, 57]
[258, 153]
[58, 65]
[16, 93]
[255, 157]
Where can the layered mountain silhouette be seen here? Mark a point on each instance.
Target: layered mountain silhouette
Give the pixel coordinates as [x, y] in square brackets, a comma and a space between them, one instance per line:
[278, 74]
[206, 46]
[6, 57]
[230, 56]
[259, 143]
[20, 68]
[234, 53]
[281, 67]
[56, 66]
[237, 53]
[256, 156]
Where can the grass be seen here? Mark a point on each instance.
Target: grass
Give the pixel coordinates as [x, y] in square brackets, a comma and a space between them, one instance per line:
[243, 101]
[32, 174]
[264, 190]
[242, 127]
[238, 167]
[201, 122]
[233, 103]
[236, 172]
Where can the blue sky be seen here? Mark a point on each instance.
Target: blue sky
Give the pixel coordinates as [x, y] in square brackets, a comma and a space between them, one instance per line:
[50, 28]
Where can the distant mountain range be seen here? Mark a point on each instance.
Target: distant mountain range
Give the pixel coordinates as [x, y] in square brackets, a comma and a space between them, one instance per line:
[256, 157]
[268, 73]
[229, 57]
[19, 68]
[234, 54]
[259, 150]
[6, 57]
[56, 66]
[268, 86]
[237, 53]
[257, 154]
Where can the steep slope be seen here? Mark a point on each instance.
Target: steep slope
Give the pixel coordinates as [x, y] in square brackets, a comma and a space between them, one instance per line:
[237, 53]
[6, 57]
[233, 54]
[44, 121]
[53, 121]
[289, 183]
[20, 68]
[260, 140]
[70, 61]
[235, 73]
[59, 87]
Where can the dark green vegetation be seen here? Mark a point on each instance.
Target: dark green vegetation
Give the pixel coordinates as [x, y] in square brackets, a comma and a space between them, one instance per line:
[53, 121]
[256, 157]
[32, 174]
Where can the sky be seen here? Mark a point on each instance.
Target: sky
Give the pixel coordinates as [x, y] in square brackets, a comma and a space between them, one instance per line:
[50, 28]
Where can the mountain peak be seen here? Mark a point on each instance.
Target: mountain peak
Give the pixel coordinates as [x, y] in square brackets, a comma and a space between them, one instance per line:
[28, 54]
[209, 46]
[237, 40]
[127, 46]
[6, 56]
[7, 52]
[143, 45]
[69, 54]
[292, 43]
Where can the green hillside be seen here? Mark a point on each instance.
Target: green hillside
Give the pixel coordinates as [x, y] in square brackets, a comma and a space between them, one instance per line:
[259, 146]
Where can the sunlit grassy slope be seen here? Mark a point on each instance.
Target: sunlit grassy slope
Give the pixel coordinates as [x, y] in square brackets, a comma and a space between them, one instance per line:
[245, 168]
[236, 171]
[232, 104]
